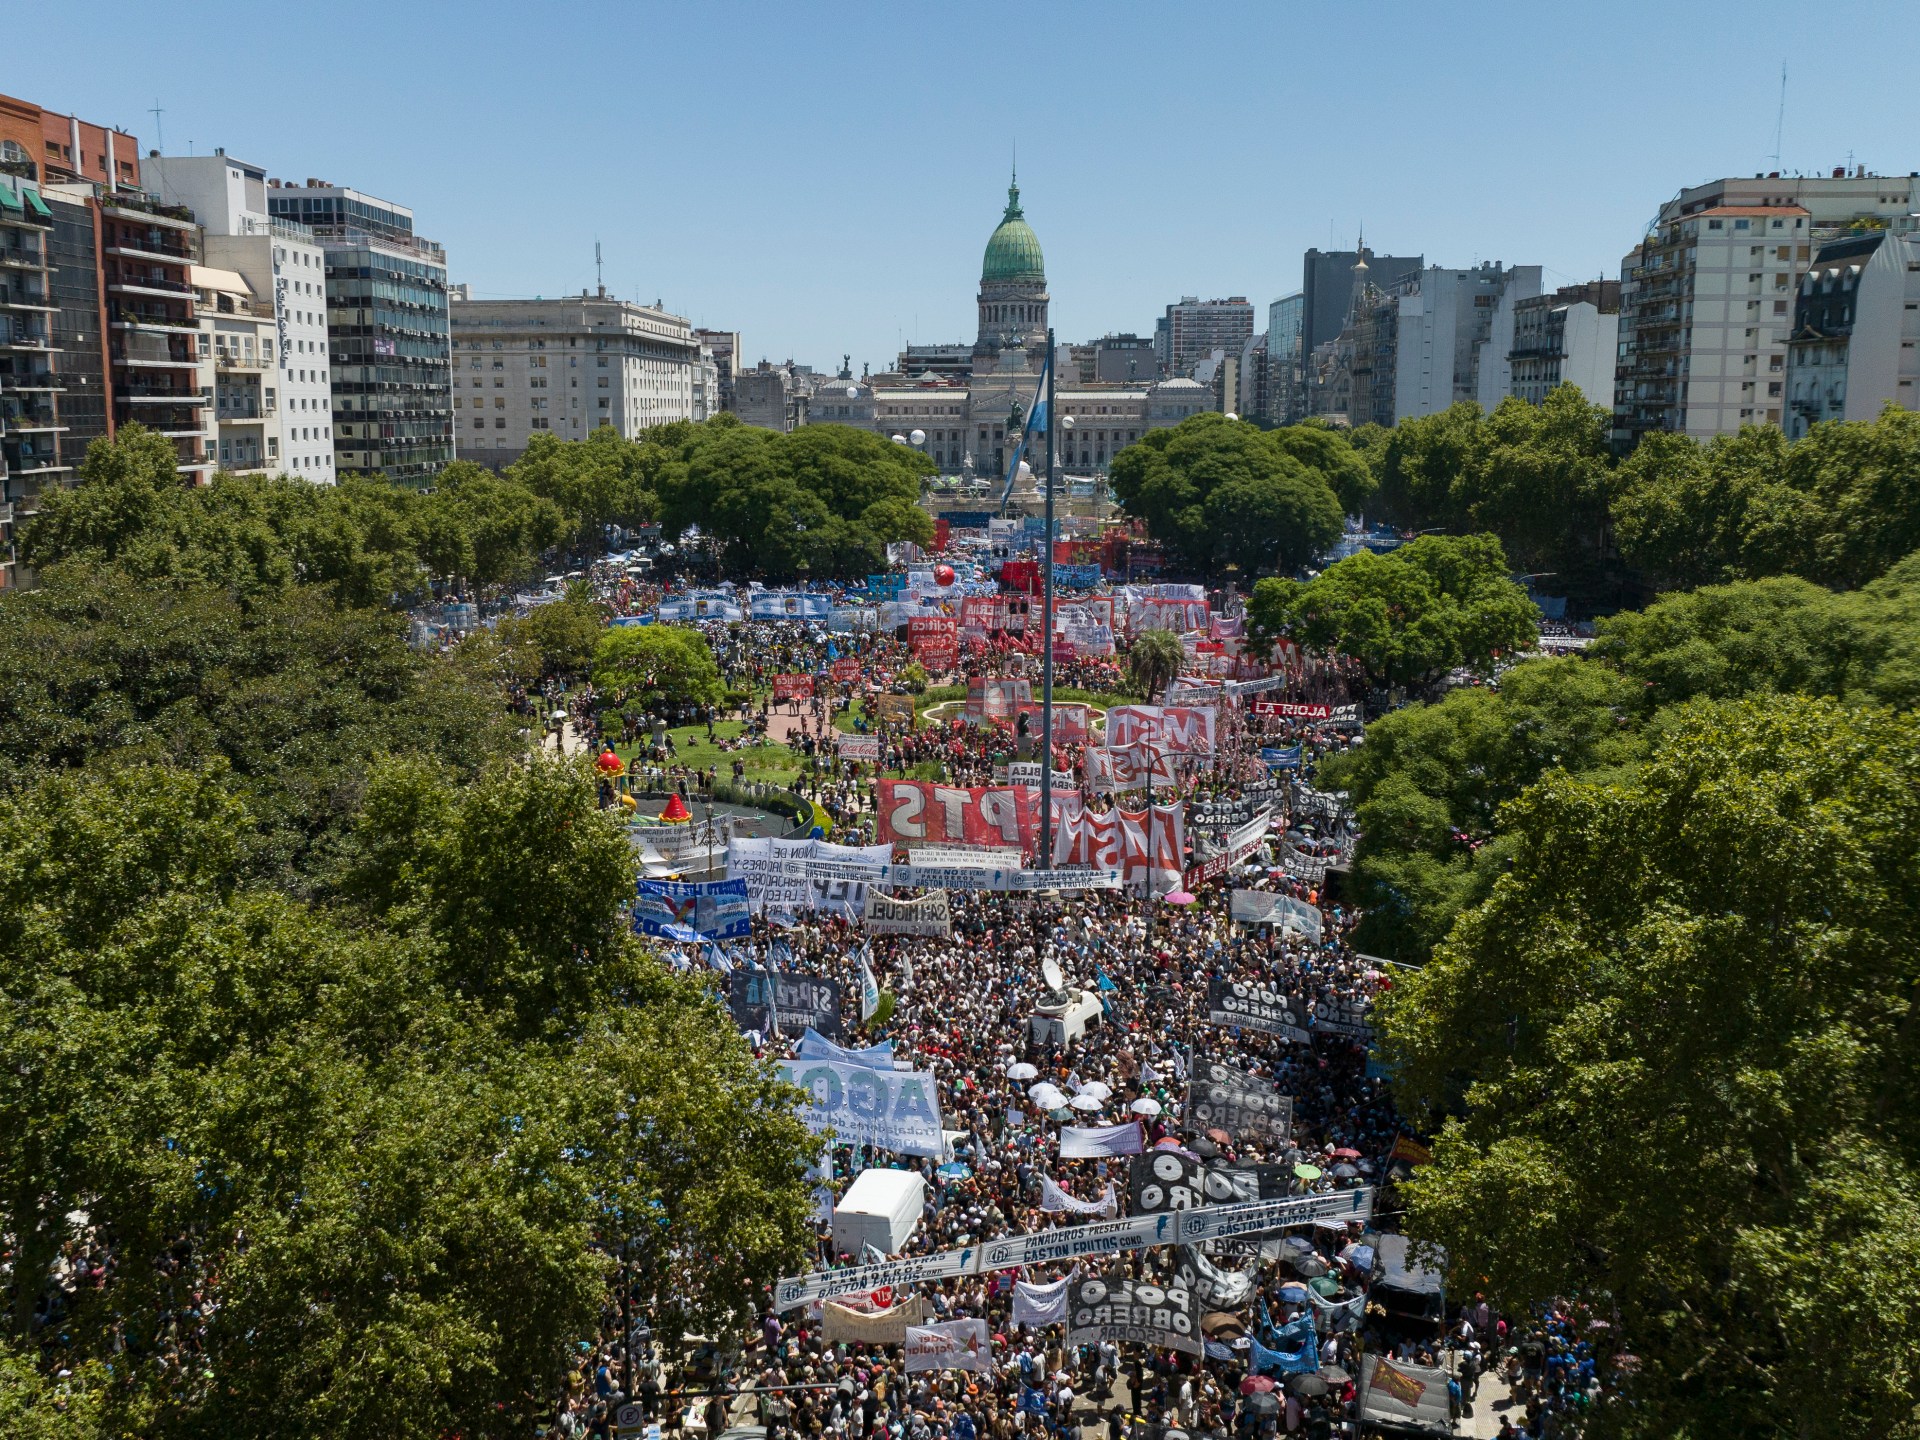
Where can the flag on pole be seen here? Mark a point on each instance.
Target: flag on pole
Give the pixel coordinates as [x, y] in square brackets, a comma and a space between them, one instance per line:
[869, 987]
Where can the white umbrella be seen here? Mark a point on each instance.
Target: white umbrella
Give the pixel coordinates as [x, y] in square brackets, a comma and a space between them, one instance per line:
[1048, 1096]
[1021, 1070]
[1084, 1101]
[559, 715]
[1099, 1089]
[1146, 1105]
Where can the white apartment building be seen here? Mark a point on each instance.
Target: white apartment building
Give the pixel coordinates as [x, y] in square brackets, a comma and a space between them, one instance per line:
[1707, 299]
[1451, 340]
[1571, 337]
[1855, 344]
[566, 367]
[238, 352]
[283, 268]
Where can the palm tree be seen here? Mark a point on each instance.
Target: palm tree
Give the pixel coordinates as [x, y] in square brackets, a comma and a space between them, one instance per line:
[1154, 661]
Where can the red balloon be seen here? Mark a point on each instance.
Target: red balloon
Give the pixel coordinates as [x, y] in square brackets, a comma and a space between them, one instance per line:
[943, 574]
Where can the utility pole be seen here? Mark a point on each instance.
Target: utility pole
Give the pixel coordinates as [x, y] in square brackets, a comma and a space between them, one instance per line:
[1046, 629]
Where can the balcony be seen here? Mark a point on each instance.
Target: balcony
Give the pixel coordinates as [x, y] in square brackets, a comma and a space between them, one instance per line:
[157, 395]
[226, 360]
[129, 317]
[242, 415]
[19, 257]
[149, 285]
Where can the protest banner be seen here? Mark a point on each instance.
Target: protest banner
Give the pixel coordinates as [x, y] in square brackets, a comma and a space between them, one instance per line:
[787, 877]
[974, 857]
[951, 1345]
[795, 1290]
[845, 671]
[1240, 843]
[1037, 1305]
[1077, 1242]
[787, 605]
[1280, 757]
[911, 812]
[1147, 846]
[1250, 1109]
[814, 1046]
[1267, 907]
[708, 910]
[1072, 721]
[1342, 1015]
[990, 700]
[798, 1002]
[1219, 812]
[1403, 1395]
[1088, 1142]
[1254, 1007]
[1227, 1222]
[1177, 729]
[997, 878]
[891, 709]
[1172, 1180]
[1136, 1311]
[895, 1110]
[792, 687]
[1027, 773]
[925, 916]
[858, 747]
[840, 1322]
[1292, 710]
[1114, 770]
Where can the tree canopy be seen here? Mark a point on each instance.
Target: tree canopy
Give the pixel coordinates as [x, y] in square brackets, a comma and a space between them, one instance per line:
[828, 498]
[1219, 491]
[384, 1149]
[1675, 1050]
[1839, 506]
[1409, 616]
[654, 665]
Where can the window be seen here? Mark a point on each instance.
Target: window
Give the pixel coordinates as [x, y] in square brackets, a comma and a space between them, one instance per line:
[500, 424]
[499, 402]
[603, 385]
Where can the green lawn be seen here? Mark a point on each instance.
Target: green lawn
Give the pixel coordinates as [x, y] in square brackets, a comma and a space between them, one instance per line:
[774, 763]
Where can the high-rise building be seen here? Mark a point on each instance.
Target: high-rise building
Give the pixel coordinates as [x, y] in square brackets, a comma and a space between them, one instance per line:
[1195, 328]
[147, 253]
[284, 385]
[1707, 298]
[30, 421]
[1286, 373]
[1123, 360]
[1448, 338]
[1855, 343]
[1569, 337]
[387, 336]
[724, 348]
[567, 367]
[1326, 288]
[952, 361]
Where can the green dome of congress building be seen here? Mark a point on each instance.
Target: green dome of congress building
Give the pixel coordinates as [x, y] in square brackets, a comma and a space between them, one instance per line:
[1013, 253]
[1013, 297]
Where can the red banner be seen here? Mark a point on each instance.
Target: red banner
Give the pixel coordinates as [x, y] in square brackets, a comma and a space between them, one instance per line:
[845, 672]
[1178, 729]
[1291, 711]
[917, 812]
[1147, 847]
[935, 641]
[1072, 722]
[793, 687]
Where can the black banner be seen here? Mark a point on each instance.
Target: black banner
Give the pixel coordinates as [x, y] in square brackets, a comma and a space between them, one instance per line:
[1248, 1108]
[1218, 812]
[1214, 1287]
[1133, 1310]
[1165, 1180]
[799, 1000]
[1343, 1015]
[1254, 1007]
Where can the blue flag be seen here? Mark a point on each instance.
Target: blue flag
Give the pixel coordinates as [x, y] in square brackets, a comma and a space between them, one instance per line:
[1281, 757]
[1303, 1357]
[1103, 980]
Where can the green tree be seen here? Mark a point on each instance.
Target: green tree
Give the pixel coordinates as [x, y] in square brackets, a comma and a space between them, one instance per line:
[1153, 661]
[1675, 1050]
[1333, 457]
[1219, 491]
[602, 480]
[1436, 604]
[657, 665]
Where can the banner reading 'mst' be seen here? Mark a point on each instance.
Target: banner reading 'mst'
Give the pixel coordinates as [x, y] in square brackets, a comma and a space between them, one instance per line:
[897, 1110]
[917, 812]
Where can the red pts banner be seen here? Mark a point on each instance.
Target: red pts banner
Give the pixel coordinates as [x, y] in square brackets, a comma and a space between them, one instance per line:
[793, 687]
[916, 812]
[1290, 711]
[845, 672]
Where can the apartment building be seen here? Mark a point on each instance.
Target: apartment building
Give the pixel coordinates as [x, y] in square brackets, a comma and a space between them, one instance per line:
[387, 336]
[1569, 337]
[148, 250]
[1707, 298]
[1855, 343]
[30, 424]
[566, 367]
[282, 268]
[1192, 329]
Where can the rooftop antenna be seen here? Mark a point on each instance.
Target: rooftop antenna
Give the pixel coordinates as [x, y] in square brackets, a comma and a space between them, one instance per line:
[599, 276]
[1780, 117]
[159, 139]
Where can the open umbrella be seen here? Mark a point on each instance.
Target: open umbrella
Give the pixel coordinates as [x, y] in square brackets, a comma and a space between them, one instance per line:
[1021, 1070]
[1307, 1172]
[1099, 1089]
[1324, 1285]
[1346, 1153]
[1307, 1384]
[1084, 1101]
[954, 1170]
[558, 716]
[1344, 1172]
[1048, 1096]
[1293, 1293]
[1178, 897]
[1146, 1105]
[1334, 1375]
[1256, 1385]
[1263, 1404]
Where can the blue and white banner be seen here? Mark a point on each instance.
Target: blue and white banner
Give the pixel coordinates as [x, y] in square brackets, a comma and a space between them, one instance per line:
[699, 605]
[815, 1046]
[894, 1110]
[1087, 1142]
[708, 910]
[787, 605]
[1281, 757]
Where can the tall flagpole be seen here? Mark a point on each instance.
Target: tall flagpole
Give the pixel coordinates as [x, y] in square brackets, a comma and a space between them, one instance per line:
[1046, 631]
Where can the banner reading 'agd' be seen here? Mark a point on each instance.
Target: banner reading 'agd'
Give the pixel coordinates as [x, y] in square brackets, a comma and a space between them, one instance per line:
[896, 1110]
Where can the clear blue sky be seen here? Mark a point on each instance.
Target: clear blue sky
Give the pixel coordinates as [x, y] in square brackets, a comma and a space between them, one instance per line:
[823, 177]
